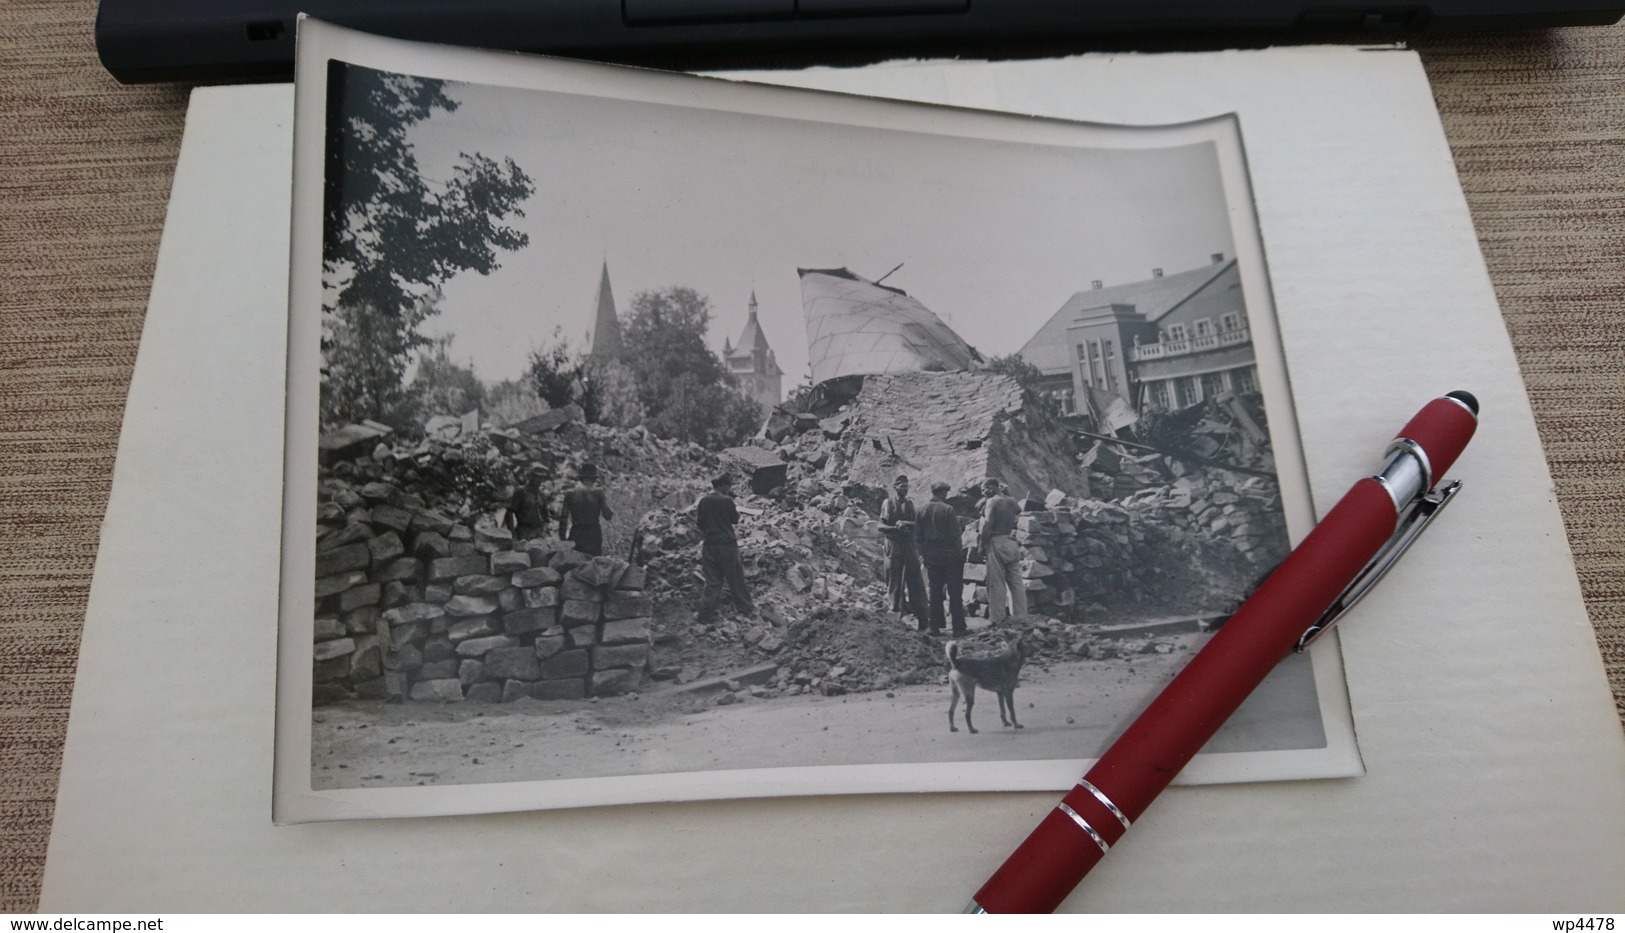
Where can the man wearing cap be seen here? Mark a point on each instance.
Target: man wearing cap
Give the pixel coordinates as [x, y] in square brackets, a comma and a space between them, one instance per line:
[528, 514]
[903, 583]
[719, 551]
[1003, 555]
[585, 510]
[937, 533]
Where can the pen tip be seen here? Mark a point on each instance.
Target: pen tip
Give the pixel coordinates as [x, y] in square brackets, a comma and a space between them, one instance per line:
[1466, 398]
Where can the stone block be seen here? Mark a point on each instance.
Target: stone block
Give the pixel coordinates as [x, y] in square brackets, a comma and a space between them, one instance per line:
[437, 593]
[367, 663]
[385, 547]
[578, 612]
[375, 689]
[331, 669]
[445, 691]
[329, 628]
[572, 689]
[527, 620]
[356, 597]
[414, 612]
[485, 692]
[362, 621]
[338, 583]
[608, 656]
[510, 600]
[604, 572]
[515, 690]
[404, 658]
[438, 648]
[576, 587]
[535, 577]
[397, 593]
[566, 664]
[429, 546]
[975, 573]
[409, 634]
[323, 694]
[582, 636]
[615, 682]
[512, 664]
[342, 560]
[509, 562]
[566, 561]
[428, 520]
[628, 606]
[439, 670]
[450, 568]
[475, 647]
[391, 517]
[399, 569]
[490, 538]
[633, 579]
[625, 631]
[549, 645]
[542, 597]
[338, 647]
[467, 549]
[472, 627]
[479, 584]
[471, 606]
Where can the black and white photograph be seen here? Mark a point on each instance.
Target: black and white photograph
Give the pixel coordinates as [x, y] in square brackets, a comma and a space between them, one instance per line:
[661, 437]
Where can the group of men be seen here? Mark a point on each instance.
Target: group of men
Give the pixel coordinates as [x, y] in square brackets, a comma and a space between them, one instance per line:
[932, 537]
[584, 510]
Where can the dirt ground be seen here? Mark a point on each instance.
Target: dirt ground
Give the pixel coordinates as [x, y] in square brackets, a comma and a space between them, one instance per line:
[1069, 710]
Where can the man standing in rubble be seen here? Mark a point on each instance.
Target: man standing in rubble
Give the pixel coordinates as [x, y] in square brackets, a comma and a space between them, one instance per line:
[937, 533]
[585, 511]
[719, 551]
[528, 515]
[1005, 594]
[903, 582]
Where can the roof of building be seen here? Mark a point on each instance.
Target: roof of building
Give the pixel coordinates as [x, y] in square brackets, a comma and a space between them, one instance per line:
[606, 327]
[751, 338]
[856, 327]
[1152, 298]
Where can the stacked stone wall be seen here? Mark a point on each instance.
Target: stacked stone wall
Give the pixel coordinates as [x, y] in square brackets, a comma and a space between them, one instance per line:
[413, 605]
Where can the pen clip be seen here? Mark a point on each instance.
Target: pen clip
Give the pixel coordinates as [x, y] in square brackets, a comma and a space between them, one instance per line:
[1410, 528]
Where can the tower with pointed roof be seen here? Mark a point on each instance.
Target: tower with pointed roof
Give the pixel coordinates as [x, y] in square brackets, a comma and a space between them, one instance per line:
[752, 362]
[606, 327]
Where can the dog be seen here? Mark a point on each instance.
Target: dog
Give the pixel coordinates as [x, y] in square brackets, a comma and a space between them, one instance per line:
[997, 673]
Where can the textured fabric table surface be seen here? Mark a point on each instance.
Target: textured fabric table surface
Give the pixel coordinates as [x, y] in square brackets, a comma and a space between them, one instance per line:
[1536, 121]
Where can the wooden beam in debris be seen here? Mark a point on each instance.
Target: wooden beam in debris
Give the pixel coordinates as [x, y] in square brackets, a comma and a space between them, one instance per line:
[1177, 455]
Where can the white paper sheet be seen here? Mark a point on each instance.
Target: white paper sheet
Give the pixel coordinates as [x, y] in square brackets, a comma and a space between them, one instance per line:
[1496, 767]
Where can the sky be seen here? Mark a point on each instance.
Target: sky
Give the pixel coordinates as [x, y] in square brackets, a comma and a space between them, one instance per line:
[992, 236]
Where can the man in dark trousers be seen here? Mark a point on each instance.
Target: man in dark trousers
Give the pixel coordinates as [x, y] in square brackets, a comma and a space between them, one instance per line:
[937, 532]
[585, 511]
[719, 551]
[903, 583]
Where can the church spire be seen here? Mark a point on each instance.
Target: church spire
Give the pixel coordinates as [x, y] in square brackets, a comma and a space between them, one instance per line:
[606, 328]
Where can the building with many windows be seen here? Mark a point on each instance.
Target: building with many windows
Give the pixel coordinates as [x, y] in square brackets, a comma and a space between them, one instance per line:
[1165, 343]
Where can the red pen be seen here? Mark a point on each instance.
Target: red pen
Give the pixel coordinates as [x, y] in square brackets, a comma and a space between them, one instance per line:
[1343, 556]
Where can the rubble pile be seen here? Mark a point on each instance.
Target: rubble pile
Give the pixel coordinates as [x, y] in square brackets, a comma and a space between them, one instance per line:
[420, 594]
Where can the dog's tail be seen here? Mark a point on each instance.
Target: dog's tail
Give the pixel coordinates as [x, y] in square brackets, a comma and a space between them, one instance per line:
[952, 651]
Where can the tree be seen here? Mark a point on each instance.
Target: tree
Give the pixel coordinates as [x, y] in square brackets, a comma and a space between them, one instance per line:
[556, 372]
[442, 386]
[1029, 377]
[683, 386]
[392, 236]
